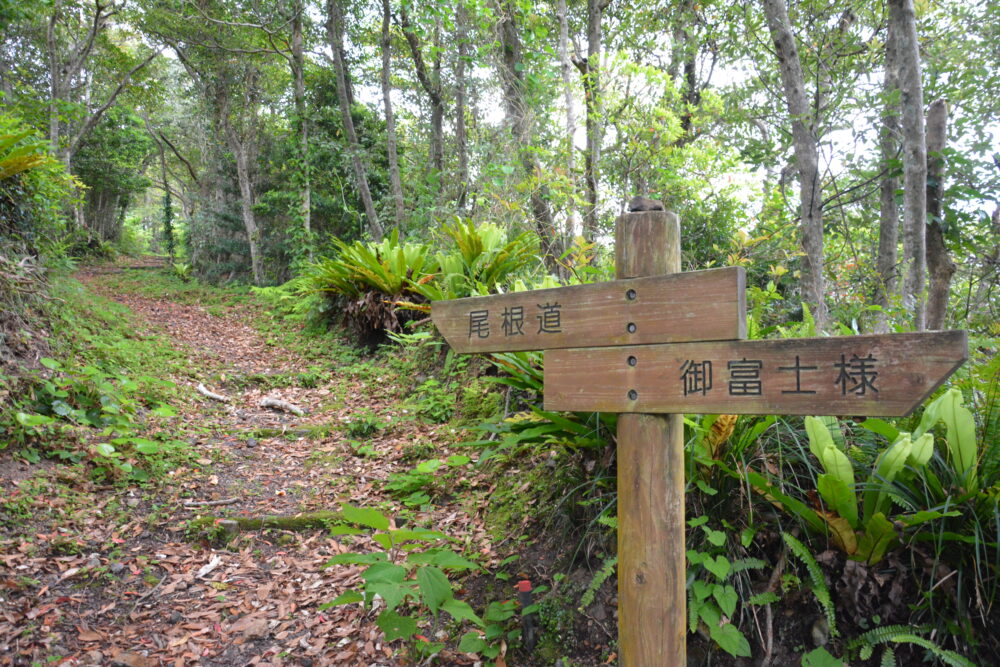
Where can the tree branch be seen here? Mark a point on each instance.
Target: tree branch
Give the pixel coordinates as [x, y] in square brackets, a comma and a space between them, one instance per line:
[99, 113]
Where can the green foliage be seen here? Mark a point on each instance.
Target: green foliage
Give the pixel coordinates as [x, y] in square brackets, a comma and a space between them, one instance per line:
[371, 282]
[816, 578]
[410, 577]
[865, 644]
[418, 487]
[712, 599]
[482, 261]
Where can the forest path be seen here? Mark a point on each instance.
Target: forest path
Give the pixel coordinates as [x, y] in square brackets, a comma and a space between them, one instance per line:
[119, 580]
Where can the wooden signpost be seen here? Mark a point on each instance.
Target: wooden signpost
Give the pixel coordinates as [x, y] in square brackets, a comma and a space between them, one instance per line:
[700, 305]
[657, 343]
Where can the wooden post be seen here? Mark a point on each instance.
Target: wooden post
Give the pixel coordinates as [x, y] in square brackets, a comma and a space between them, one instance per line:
[652, 610]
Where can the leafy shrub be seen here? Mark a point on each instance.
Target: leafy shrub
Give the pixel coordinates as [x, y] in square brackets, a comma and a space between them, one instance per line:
[482, 261]
[372, 283]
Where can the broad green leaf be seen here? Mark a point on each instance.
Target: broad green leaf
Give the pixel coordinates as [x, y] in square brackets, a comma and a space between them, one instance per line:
[930, 417]
[838, 497]
[819, 436]
[881, 427]
[105, 449]
[429, 466]
[434, 587]
[392, 593]
[415, 535]
[716, 537]
[887, 466]
[702, 589]
[144, 446]
[383, 540]
[833, 427]
[727, 598]
[356, 559]
[878, 537]
[730, 639]
[164, 411]
[921, 450]
[347, 530]
[457, 460]
[719, 566]
[395, 626]
[924, 516]
[366, 516]
[461, 611]
[961, 435]
[443, 558]
[383, 572]
[471, 642]
[61, 408]
[820, 657]
[51, 364]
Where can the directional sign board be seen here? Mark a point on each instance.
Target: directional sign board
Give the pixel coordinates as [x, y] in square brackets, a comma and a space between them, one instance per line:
[881, 375]
[699, 305]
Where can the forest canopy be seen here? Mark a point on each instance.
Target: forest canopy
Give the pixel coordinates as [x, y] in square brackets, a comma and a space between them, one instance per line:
[845, 154]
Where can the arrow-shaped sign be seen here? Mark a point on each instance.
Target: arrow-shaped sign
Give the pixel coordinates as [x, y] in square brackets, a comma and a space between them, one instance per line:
[699, 305]
[881, 375]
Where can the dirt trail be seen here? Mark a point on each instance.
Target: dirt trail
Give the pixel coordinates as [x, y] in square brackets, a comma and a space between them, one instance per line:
[116, 582]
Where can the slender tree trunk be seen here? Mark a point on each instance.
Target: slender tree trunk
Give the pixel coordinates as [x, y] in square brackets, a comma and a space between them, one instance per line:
[55, 77]
[299, 93]
[521, 124]
[430, 80]
[806, 155]
[395, 184]
[566, 70]
[437, 108]
[461, 140]
[888, 237]
[168, 209]
[940, 267]
[335, 33]
[590, 68]
[903, 18]
[243, 176]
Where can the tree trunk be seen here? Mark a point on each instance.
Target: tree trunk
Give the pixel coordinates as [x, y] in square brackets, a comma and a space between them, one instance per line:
[903, 19]
[430, 80]
[566, 67]
[590, 71]
[888, 236]
[521, 124]
[940, 267]
[461, 140]
[168, 209]
[240, 150]
[806, 155]
[55, 77]
[299, 93]
[335, 33]
[395, 185]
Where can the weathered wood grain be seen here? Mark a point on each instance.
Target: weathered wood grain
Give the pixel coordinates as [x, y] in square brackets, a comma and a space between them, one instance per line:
[700, 305]
[652, 621]
[879, 375]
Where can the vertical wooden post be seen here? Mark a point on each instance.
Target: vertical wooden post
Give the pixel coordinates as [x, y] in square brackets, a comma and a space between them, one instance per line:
[652, 614]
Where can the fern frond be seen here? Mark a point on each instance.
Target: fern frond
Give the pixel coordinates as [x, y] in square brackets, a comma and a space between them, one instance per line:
[819, 587]
[888, 658]
[944, 655]
[742, 564]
